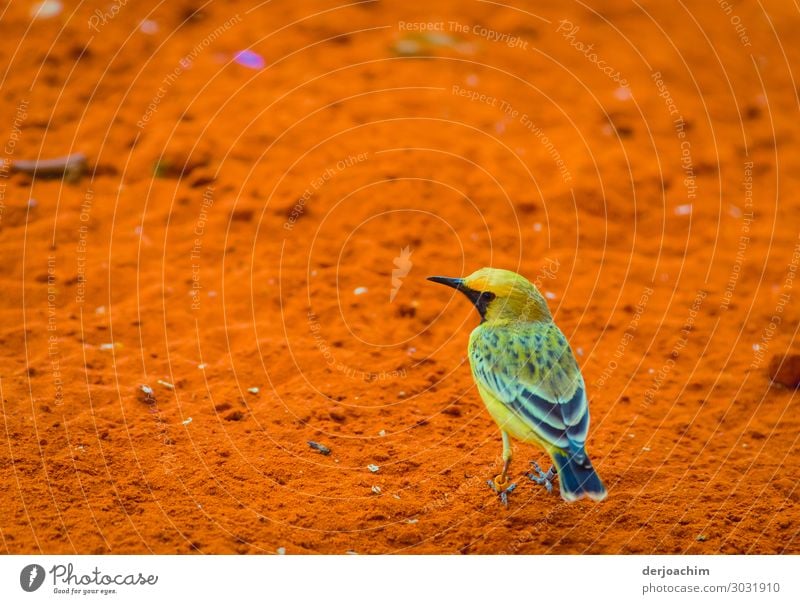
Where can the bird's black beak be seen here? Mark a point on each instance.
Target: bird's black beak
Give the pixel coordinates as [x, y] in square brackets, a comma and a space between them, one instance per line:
[481, 300]
[449, 282]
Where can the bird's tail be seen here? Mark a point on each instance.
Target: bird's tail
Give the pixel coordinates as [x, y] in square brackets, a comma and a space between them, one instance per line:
[577, 478]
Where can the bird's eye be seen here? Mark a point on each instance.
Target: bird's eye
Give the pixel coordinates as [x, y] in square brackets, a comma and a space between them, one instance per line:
[488, 296]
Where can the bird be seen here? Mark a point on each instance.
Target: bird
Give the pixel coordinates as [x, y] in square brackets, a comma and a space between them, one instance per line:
[529, 381]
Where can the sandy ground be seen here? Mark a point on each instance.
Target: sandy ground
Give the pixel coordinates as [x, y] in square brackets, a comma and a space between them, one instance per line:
[232, 244]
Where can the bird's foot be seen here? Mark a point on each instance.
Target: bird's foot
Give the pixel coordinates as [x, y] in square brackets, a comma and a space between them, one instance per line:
[540, 477]
[501, 486]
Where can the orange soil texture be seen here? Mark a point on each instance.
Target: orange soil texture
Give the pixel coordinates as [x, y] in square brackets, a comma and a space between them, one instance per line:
[268, 185]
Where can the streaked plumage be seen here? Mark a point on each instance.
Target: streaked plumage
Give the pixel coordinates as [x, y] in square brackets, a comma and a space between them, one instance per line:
[528, 377]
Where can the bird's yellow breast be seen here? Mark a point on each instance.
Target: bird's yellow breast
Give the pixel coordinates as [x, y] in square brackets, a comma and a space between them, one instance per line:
[510, 422]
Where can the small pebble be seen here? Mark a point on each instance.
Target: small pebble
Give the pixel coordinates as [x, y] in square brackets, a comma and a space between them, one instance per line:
[376, 489]
[373, 468]
[382, 433]
[623, 93]
[201, 366]
[684, 210]
[166, 385]
[281, 551]
[784, 369]
[407, 48]
[46, 9]
[250, 59]
[412, 520]
[148, 27]
[253, 390]
[439, 39]
[701, 538]
[360, 290]
[187, 421]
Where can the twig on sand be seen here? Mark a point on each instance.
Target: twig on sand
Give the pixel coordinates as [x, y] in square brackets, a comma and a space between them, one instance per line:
[319, 447]
[71, 167]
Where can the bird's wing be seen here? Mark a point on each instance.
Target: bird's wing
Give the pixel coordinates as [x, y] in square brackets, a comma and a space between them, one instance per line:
[531, 370]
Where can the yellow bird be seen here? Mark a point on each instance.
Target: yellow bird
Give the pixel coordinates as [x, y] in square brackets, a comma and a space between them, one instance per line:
[529, 381]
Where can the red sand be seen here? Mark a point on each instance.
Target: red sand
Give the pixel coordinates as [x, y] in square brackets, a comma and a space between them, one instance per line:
[582, 188]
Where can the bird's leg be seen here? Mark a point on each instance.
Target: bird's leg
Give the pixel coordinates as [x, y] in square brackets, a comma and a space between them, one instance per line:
[540, 477]
[500, 484]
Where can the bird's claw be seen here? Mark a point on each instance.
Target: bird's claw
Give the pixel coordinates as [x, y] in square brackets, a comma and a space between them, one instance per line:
[540, 477]
[502, 488]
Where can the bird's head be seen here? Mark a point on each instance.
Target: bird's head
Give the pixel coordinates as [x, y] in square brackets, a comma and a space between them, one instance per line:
[500, 295]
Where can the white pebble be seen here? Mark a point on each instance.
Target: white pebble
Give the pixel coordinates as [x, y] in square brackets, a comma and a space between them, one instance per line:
[623, 93]
[46, 9]
[684, 210]
[407, 47]
[148, 27]
[360, 290]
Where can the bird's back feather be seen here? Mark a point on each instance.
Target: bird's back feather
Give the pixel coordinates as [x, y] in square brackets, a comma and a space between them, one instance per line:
[530, 368]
